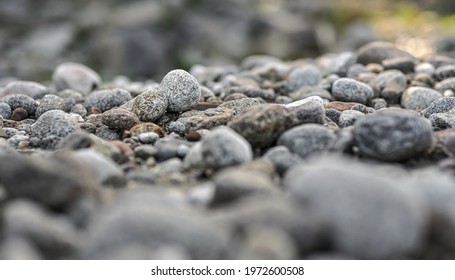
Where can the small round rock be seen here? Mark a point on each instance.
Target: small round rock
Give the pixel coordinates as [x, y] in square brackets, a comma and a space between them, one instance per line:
[349, 117]
[418, 98]
[75, 76]
[350, 90]
[49, 102]
[150, 105]
[393, 135]
[307, 75]
[107, 99]
[181, 89]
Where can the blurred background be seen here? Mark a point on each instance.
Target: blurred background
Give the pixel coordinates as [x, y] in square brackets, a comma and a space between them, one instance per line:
[145, 39]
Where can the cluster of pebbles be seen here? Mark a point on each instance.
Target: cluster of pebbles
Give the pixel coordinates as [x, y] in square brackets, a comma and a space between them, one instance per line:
[344, 156]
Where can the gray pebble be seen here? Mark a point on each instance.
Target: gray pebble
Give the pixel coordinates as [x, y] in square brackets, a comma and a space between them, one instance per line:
[309, 110]
[418, 98]
[307, 139]
[306, 75]
[350, 90]
[355, 70]
[424, 68]
[447, 84]
[390, 85]
[443, 120]
[31, 89]
[106, 133]
[405, 64]
[21, 101]
[223, 147]
[148, 137]
[181, 89]
[240, 105]
[104, 100]
[368, 215]
[282, 159]
[79, 109]
[378, 103]
[393, 135]
[440, 105]
[445, 72]
[49, 102]
[262, 124]
[5, 110]
[70, 75]
[54, 123]
[376, 52]
[349, 117]
[333, 114]
[150, 105]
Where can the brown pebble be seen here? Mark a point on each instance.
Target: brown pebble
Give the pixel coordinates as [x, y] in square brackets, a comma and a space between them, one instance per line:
[147, 127]
[192, 135]
[340, 106]
[19, 114]
[23, 144]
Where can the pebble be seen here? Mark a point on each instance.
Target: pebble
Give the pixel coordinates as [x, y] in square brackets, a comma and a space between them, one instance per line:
[119, 119]
[181, 89]
[445, 72]
[29, 88]
[79, 109]
[282, 158]
[5, 110]
[307, 139]
[350, 90]
[306, 75]
[49, 102]
[447, 84]
[390, 85]
[377, 52]
[232, 184]
[21, 101]
[107, 99]
[220, 148]
[393, 135]
[440, 105]
[147, 127]
[443, 120]
[150, 105]
[354, 212]
[418, 98]
[404, 64]
[106, 133]
[148, 137]
[19, 114]
[238, 106]
[52, 126]
[308, 110]
[262, 124]
[307, 91]
[349, 117]
[75, 76]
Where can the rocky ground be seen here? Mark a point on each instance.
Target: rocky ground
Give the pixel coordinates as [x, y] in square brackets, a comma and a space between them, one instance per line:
[344, 156]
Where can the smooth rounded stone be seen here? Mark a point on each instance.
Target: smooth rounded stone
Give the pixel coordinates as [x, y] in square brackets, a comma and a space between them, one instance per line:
[54, 123]
[440, 105]
[102, 168]
[49, 102]
[271, 212]
[308, 110]
[107, 99]
[390, 85]
[19, 114]
[418, 98]
[367, 214]
[56, 181]
[342, 62]
[119, 119]
[79, 109]
[282, 159]
[150, 105]
[70, 75]
[333, 114]
[376, 52]
[349, 117]
[424, 68]
[239, 106]
[447, 84]
[145, 151]
[355, 70]
[445, 72]
[235, 183]
[306, 75]
[146, 127]
[307, 139]
[29, 88]
[404, 64]
[350, 90]
[307, 91]
[21, 101]
[168, 148]
[181, 89]
[5, 110]
[54, 236]
[393, 135]
[221, 147]
[378, 103]
[151, 221]
[262, 124]
[148, 137]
